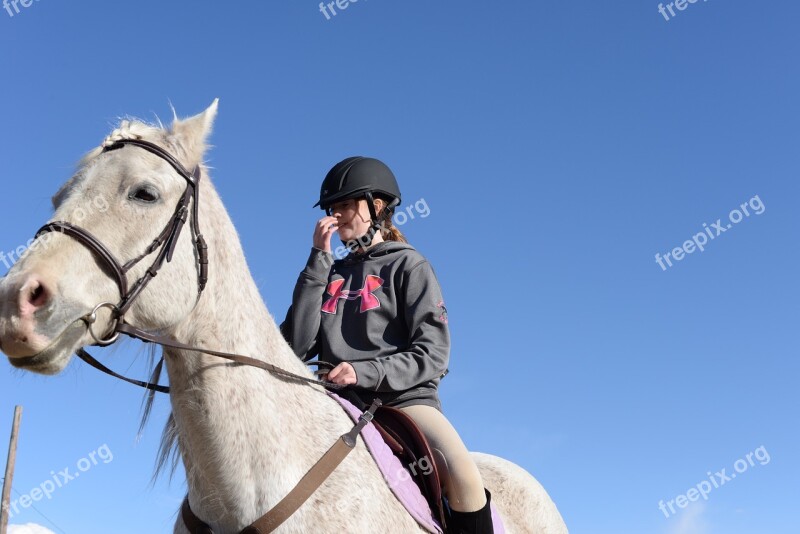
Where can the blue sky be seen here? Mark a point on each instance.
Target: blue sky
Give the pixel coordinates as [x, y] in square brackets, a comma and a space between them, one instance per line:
[557, 147]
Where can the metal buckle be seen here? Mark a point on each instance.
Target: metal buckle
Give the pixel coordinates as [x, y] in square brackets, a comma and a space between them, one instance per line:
[367, 417]
[91, 318]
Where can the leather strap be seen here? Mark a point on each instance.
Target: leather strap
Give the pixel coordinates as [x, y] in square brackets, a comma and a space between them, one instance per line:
[92, 243]
[155, 150]
[149, 337]
[86, 357]
[304, 489]
[192, 522]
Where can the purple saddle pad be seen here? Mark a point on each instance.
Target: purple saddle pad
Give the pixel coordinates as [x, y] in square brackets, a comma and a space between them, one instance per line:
[399, 479]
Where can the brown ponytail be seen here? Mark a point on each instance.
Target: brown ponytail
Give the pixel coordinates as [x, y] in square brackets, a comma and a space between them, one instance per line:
[389, 231]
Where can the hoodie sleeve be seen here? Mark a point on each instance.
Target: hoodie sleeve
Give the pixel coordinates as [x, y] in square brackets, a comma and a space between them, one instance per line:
[428, 352]
[301, 326]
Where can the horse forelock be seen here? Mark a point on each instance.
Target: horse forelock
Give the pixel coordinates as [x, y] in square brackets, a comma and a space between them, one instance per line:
[128, 128]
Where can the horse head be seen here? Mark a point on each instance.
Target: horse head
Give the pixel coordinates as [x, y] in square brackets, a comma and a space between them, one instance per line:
[123, 197]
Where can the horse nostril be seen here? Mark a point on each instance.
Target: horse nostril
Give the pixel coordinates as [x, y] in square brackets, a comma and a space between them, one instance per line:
[36, 295]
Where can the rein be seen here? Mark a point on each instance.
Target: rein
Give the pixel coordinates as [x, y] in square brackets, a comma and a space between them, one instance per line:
[149, 337]
[165, 244]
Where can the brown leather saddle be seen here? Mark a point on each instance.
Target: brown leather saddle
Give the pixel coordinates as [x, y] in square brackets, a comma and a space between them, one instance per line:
[409, 444]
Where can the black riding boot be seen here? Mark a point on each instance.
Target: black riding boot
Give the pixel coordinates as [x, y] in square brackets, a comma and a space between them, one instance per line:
[479, 522]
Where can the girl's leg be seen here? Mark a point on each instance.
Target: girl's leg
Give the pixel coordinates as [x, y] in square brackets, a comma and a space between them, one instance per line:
[462, 480]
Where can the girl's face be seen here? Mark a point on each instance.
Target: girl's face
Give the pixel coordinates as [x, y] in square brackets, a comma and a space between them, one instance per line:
[352, 217]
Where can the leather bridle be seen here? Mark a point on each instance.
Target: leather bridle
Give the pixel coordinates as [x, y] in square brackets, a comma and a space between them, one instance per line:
[165, 245]
[166, 241]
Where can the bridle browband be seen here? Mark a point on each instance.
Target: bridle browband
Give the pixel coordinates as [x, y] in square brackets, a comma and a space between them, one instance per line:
[165, 244]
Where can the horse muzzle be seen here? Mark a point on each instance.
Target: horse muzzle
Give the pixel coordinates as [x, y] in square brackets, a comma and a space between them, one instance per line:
[35, 324]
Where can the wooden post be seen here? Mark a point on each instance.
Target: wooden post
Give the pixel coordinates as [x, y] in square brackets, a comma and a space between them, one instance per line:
[12, 458]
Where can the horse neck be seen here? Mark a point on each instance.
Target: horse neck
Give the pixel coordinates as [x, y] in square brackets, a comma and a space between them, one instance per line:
[242, 432]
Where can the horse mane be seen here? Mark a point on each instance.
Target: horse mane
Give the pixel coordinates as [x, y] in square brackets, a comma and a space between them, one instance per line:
[167, 457]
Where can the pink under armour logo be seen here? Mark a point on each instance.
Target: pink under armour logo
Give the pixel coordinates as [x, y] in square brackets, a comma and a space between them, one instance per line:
[368, 300]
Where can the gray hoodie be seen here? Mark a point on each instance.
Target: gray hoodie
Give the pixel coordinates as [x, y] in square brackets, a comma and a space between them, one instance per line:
[382, 311]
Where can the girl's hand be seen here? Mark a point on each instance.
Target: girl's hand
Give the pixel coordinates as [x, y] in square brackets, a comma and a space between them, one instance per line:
[323, 231]
[343, 374]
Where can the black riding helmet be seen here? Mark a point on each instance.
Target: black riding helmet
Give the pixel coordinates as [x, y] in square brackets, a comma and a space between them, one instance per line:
[353, 178]
[360, 177]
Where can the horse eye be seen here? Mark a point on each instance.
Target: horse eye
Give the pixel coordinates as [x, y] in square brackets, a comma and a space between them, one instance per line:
[145, 193]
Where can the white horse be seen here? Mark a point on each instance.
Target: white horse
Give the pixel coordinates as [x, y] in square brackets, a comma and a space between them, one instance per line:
[245, 436]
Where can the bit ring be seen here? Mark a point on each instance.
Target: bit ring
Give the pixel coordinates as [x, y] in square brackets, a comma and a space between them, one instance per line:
[91, 318]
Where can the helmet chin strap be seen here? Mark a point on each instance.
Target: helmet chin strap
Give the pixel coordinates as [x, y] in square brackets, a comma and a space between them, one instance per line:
[365, 240]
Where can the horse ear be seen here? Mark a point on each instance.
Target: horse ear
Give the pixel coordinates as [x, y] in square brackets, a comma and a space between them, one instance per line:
[189, 136]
